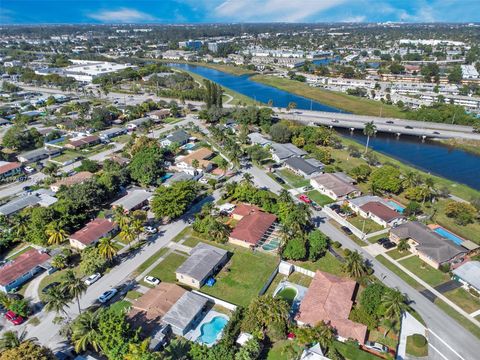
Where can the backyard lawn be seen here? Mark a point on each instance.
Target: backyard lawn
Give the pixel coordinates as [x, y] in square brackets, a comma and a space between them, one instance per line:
[242, 278]
[328, 263]
[320, 199]
[464, 299]
[293, 179]
[165, 271]
[397, 254]
[469, 232]
[300, 279]
[425, 272]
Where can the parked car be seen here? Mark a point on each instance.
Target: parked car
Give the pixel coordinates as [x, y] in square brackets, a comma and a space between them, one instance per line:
[389, 122]
[107, 295]
[382, 241]
[279, 180]
[150, 230]
[14, 318]
[389, 245]
[92, 278]
[346, 230]
[304, 198]
[334, 120]
[308, 188]
[203, 181]
[50, 286]
[316, 206]
[151, 280]
[436, 133]
[376, 346]
[23, 178]
[408, 127]
[28, 169]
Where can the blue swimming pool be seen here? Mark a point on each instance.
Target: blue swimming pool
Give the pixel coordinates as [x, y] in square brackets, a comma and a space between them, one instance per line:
[189, 146]
[166, 176]
[448, 235]
[209, 332]
[396, 206]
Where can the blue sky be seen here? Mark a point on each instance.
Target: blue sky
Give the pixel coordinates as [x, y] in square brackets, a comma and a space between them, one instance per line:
[197, 11]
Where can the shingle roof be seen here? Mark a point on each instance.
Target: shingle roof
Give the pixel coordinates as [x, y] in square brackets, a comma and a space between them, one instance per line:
[179, 136]
[329, 299]
[133, 198]
[380, 210]
[9, 166]
[335, 183]
[18, 204]
[74, 179]
[185, 309]
[429, 242]
[21, 265]
[307, 167]
[284, 151]
[469, 272]
[93, 231]
[251, 228]
[84, 141]
[202, 260]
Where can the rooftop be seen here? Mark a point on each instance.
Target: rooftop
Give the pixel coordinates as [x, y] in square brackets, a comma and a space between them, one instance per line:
[469, 272]
[21, 265]
[307, 166]
[380, 210]
[252, 227]
[336, 183]
[185, 309]
[74, 179]
[132, 199]
[203, 258]
[4, 168]
[93, 231]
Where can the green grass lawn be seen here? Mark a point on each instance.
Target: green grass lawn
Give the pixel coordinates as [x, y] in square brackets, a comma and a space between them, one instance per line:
[392, 267]
[293, 179]
[122, 139]
[278, 351]
[464, 299]
[120, 306]
[320, 199]
[417, 351]
[396, 254]
[300, 279]
[369, 227]
[474, 329]
[374, 239]
[133, 295]
[352, 352]
[286, 186]
[243, 276]
[165, 271]
[151, 260]
[57, 276]
[425, 272]
[19, 252]
[328, 263]
[353, 104]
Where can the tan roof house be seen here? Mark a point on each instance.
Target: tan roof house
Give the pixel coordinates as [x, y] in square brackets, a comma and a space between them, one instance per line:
[78, 178]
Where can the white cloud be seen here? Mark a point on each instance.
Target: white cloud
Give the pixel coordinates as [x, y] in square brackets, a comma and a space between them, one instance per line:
[122, 15]
[355, 19]
[273, 10]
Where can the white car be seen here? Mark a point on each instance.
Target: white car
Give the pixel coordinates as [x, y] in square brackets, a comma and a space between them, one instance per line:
[151, 280]
[150, 230]
[376, 346]
[107, 295]
[203, 181]
[92, 278]
[29, 169]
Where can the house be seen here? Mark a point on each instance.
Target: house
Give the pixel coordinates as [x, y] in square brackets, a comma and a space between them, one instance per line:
[337, 186]
[159, 114]
[82, 142]
[111, 133]
[120, 160]
[178, 176]
[92, 232]
[38, 154]
[252, 227]
[313, 353]
[432, 248]
[330, 298]
[281, 152]
[179, 137]
[149, 309]
[258, 139]
[204, 261]
[304, 167]
[134, 124]
[8, 169]
[469, 275]
[22, 269]
[134, 200]
[77, 178]
[377, 209]
[185, 313]
[201, 156]
[40, 197]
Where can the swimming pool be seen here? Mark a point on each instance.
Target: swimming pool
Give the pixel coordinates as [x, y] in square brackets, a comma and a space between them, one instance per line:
[448, 235]
[209, 332]
[166, 177]
[396, 206]
[189, 146]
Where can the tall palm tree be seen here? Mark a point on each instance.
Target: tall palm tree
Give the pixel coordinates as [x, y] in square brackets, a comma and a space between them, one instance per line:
[127, 234]
[369, 130]
[120, 217]
[137, 227]
[85, 331]
[56, 300]
[20, 225]
[13, 339]
[56, 234]
[74, 287]
[177, 350]
[394, 304]
[106, 248]
[411, 179]
[354, 265]
[248, 178]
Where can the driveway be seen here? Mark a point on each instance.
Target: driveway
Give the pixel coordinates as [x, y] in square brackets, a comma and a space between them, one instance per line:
[448, 286]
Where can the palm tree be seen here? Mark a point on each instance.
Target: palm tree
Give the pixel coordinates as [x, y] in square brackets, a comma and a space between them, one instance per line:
[177, 350]
[248, 178]
[128, 234]
[120, 217]
[13, 339]
[56, 234]
[403, 245]
[106, 248]
[354, 265]
[394, 304]
[20, 225]
[137, 351]
[223, 165]
[369, 130]
[137, 227]
[56, 300]
[74, 287]
[284, 196]
[411, 179]
[85, 331]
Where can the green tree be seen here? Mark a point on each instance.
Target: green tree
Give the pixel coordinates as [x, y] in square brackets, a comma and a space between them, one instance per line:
[455, 75]
[280, 132]
[173, 201]
[354, 265]
[369, 130]
[295, 249]
[394, 304]
[146, 165]
[249, 351]
[361, 172]
[265, 312]
[12, 339]
[128, 234]
[403, 245]
[387, 178]
[56, 300]
[107, 249]
[371, 298]
[85, 331]
[28, 350]
[141, 351]
[91, 261]
[317, 245]
[56, 234]
[74, 287]
[462, 213]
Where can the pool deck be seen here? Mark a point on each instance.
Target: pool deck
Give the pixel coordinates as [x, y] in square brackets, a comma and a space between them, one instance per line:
[194, 334]
[470, 245]
[301, 292]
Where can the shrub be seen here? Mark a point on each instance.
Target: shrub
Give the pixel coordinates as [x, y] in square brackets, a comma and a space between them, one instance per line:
[445, 268]
[419, 340]
[347, 252]
[336, 244]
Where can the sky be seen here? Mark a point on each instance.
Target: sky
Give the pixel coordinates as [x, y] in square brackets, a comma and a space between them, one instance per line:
[217, 11]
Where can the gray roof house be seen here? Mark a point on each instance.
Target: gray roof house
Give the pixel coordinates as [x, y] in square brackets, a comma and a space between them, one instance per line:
[304, 167]
[37, 154]
[179, 137]
[185, 313]
[258, 139]
[427, 244]
[468, 274]
[112, 132]
[281, 152]
[204, 261]
[135, 199]
[41, 197]
[178, 176]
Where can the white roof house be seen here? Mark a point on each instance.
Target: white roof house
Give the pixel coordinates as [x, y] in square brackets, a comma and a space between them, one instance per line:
[468, 274]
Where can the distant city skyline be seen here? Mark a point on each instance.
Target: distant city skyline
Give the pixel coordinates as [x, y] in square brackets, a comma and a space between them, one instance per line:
[211, 11]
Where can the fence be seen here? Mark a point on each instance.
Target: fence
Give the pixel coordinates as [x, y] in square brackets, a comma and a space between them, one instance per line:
[379, 232]
[304, 271]
[223, 303]
[269, 281]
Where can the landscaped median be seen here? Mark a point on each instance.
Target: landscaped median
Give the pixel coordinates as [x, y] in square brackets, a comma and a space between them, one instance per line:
[417, 345]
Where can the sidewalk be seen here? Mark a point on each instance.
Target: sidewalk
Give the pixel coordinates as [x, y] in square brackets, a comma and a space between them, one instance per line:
[410, 326]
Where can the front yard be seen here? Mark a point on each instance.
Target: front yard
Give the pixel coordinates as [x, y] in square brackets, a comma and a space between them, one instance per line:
[397, 254]
[293, 179]
[369, 227]
[320, 199]
[464, 299]
[165, 271]
[424, 271]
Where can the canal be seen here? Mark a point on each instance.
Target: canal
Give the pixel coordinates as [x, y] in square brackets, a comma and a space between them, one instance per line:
[429, 156]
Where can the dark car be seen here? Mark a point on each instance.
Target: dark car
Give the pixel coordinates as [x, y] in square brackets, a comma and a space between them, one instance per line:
[389, 245]
[50, 286]
[389, 122]
[279, 180]
[346, 230]
[382, 241]
[436, 132]
[408, 127]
